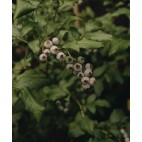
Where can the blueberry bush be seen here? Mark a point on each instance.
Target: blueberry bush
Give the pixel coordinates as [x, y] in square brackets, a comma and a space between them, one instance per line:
[70, 71]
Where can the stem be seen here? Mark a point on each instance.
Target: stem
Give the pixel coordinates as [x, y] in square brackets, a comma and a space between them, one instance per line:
[26, 54]
[70, 55]
[104, 132]
[56, 12]
[77, 13]
[80, 107]
[81, 36]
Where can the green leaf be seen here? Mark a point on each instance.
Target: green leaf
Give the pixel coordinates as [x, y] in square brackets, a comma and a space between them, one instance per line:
[68, 35]
[13, 8]
[51, 28]
[106, 3]
[24, 7]
[15, 118]
[56, 93]
[119, 4]
[18, 106]
[63, 34]
[92, 25]
[102, 103]
[42, 21]
[73, 34]
[118, 45]
[91, 103]
[92, 108]
[87, 43]
[75, 130]
[67, 83]
[35, 46]
[31, 104]
[90, 12]
[72, 45]
[99, 87]
[28, 27]
[83, 43]
[99, 136]
[16, 32]
[14, 96]
[66, 6]
[87, 125]
[122, 11]
[91, 99]
[99, 36]
[31, 79]
[114, 75]
[100, 70]
[115, 131]
[70, 19]
[116, 116]
[119, 78]
[83, 123]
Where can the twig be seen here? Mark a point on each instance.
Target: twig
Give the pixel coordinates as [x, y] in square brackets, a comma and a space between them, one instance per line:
[70, 55]
[80, 107]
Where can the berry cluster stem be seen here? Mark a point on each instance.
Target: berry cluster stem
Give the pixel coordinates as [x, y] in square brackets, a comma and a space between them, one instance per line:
[80, 107]
[70, 55]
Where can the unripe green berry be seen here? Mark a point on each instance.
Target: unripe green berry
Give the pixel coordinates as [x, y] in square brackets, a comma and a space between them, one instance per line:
[85, 86]
[69, 59]
[61, 108]
[80, 59]
[61, 56]
[43, 57]
[54, 50]
[66, 110]
[58, 102]
[88, 72]
[48, 44]
[67, 104]
[95, 50]
[87, 52]
[75, 72]
[85, 80]
[77, 67]
[55, 40]
[69, 66]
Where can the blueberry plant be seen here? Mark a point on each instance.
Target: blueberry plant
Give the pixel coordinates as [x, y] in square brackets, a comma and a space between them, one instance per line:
[70, 71]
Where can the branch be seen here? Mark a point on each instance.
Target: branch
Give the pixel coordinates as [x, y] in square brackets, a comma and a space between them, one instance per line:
[80, 107]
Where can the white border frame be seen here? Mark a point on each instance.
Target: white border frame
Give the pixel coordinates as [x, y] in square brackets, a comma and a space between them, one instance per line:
[136, 71]
[5, 71]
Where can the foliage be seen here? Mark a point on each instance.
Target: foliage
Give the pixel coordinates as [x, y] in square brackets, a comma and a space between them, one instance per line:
[42, 92]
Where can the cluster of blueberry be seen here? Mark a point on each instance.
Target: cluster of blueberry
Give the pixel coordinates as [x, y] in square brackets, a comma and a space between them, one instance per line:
[64, 107]
[84, 73]
[76, 66]
[125, 135]
[50, 47]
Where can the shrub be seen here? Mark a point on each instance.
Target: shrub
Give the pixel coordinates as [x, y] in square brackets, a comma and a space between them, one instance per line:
[70, 71]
